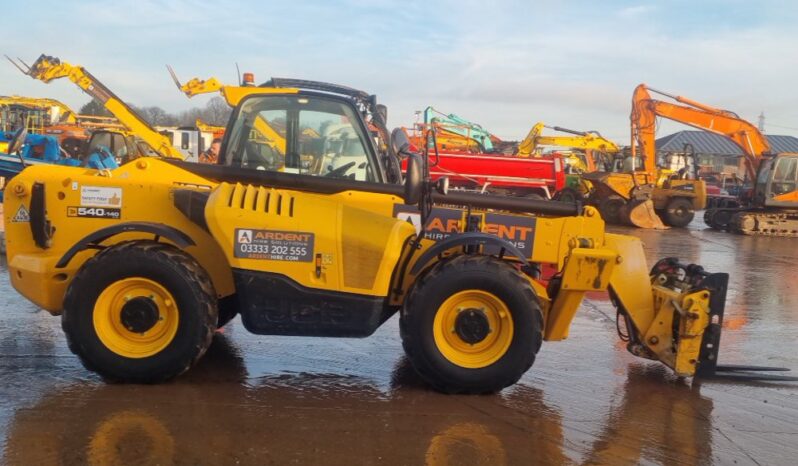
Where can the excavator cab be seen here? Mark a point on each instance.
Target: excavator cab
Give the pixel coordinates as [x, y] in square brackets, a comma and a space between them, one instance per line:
[777, 182]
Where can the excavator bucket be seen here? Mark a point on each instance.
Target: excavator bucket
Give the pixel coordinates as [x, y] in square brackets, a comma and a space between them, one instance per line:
[642, 215]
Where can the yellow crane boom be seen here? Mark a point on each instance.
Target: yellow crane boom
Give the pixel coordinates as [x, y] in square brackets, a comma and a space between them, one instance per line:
[47, 69]
[196, 86]
[584, 140]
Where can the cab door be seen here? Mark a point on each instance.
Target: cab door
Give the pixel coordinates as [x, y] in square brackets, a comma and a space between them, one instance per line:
[782, 185]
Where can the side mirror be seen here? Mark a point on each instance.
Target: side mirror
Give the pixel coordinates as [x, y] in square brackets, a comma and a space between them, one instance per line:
[413, 179]
[442, 185]
[382, 110]
[17, 141]
[400, 143]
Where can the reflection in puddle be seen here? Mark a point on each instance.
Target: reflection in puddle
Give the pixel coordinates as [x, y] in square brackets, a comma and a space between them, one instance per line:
[218, 415]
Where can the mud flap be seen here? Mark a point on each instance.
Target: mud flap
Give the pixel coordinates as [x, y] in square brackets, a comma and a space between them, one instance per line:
[642, 215]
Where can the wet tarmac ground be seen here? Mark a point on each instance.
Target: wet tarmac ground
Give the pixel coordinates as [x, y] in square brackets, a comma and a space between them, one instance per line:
[284, 400]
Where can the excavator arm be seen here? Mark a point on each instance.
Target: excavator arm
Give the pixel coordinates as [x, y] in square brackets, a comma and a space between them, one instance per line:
[645, 111]
[582, 140]
[460, 127]
[47, 69]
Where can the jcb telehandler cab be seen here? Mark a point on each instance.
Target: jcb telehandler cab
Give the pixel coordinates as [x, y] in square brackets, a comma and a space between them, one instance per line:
[144, 262]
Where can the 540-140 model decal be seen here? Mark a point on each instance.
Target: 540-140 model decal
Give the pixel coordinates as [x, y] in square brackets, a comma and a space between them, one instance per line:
[95, 212]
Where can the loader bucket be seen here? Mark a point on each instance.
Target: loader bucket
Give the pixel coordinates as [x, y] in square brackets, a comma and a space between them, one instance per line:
[642, 215]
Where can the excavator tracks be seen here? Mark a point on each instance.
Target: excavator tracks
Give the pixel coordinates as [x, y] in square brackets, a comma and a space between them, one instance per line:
[784, 224]
[753, 222]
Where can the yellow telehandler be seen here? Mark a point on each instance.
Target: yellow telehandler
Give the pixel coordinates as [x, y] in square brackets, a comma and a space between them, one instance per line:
[144, 262]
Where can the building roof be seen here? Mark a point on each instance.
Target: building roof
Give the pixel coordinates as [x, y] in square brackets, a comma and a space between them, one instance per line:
[715, 144]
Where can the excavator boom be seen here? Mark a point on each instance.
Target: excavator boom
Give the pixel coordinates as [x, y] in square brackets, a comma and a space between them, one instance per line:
[645, 110]
[47, 69]
[460, 128]
[582, 140]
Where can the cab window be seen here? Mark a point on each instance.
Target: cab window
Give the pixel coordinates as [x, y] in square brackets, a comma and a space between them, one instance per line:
[302, 134]
[784, 175]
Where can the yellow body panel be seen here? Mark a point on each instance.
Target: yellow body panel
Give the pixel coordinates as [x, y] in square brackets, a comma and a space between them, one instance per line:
[142, 187]
[354, 234]
[630, 278]
[695, 190]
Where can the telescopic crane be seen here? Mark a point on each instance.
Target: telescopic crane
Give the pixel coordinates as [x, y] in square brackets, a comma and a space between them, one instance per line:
[47, 69]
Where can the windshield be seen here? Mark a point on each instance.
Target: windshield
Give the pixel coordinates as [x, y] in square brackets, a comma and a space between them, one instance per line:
[784, 175]
[301, 134]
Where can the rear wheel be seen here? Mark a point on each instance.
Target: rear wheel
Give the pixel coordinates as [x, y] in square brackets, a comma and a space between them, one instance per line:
[568, 195]
[611, 208]
[679, 212]
[140, 312]
[472, 325]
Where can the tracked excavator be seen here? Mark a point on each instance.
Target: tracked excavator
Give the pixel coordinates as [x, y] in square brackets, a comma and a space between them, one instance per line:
[143, 263]
[454, 133]
[592, 146]
[581, 140]
[640, 195]
[770, 208]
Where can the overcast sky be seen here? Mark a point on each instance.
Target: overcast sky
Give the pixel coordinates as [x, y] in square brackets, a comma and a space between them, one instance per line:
[503, 64]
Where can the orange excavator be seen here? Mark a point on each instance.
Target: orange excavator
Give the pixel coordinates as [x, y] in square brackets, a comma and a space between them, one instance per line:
[644, 195]
[675, 196]
[769, 208]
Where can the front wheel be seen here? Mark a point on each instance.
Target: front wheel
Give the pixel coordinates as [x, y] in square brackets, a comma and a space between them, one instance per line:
[679, 212]
[140, 312]
[473, 324]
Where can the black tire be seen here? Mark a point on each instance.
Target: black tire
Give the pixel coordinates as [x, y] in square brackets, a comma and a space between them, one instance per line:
[611, 209]
[679, 212]
[465, 273]
[175, 271]
[228, 309]
[568, 195]
[708, 216]
[535, 196]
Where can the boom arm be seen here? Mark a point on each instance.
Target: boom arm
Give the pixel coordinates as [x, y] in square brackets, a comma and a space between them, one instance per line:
[645, 110]
[197, 86]
[458, 126]
[584, 140]
[47, 69]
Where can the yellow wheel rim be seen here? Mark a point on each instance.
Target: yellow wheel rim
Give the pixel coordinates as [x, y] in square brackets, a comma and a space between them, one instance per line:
[135, 317]
[468, 348]
[116, 440]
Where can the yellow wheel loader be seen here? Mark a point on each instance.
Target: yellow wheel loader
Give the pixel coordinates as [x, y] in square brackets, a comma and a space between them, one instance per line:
[143, 263]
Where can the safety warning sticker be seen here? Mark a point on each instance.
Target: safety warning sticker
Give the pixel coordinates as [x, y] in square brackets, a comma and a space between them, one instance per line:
[292, 246]
[22, 215]
[100, 196]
